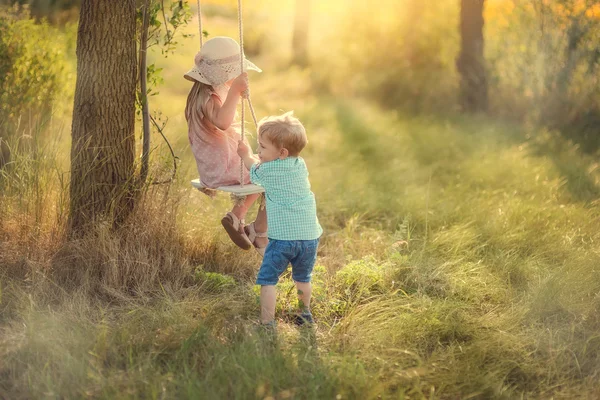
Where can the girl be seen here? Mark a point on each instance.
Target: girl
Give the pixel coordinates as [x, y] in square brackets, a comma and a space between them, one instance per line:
[210, 111]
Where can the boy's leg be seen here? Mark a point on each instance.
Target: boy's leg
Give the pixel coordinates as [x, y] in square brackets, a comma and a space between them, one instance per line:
[274, 264]
[268, 296]
[304, 294]
[302, 267]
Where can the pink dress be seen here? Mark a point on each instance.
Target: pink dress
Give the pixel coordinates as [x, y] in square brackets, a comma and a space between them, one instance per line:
[215, 150]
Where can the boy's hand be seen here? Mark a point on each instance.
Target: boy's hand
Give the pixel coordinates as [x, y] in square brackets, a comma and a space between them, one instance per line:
[240, 84]
[245, 154]
[243, 149]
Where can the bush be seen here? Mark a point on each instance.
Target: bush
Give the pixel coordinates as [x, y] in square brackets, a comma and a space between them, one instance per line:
[32, 65]
[58, 11]
[358, 282]
[543, 63]
[213, 282]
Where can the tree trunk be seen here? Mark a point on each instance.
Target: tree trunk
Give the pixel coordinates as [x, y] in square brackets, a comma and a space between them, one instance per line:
[470, 62]
[300, 38]
[103, 147]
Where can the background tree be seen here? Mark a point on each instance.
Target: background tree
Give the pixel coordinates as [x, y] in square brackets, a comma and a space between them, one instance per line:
[56, 11]
[470, 62]
[103, 141]
[300, 36]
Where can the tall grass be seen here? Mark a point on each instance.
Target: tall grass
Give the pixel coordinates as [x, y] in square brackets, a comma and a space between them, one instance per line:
[440, 275]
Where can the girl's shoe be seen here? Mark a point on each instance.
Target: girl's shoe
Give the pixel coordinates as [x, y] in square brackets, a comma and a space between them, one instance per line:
[234, 228]
[252, 235]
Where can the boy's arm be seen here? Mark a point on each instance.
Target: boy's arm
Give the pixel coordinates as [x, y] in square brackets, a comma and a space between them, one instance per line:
[246, 154]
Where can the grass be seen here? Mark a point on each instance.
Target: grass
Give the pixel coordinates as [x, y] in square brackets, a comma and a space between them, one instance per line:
[459, 260]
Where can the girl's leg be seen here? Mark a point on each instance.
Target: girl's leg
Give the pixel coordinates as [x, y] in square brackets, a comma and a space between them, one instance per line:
[236, 232]
[268, 297]
[260, 225]
[241, 208]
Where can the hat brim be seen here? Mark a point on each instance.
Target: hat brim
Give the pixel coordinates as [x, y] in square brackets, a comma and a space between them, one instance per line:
[195, 75]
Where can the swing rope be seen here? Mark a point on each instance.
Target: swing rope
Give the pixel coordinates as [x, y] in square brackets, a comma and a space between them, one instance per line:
[200, 24]
[246, 94]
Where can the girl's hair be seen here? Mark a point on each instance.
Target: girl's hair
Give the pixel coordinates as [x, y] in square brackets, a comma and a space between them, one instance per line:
[284, 131]
[192, 98]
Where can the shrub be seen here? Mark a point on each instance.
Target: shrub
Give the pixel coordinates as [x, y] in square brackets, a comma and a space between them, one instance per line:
[58, 11]
[212, 281]
[360, 280]
[543, 62]
[32, 65]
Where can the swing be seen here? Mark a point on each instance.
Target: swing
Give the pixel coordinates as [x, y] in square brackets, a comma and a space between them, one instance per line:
[242, 189]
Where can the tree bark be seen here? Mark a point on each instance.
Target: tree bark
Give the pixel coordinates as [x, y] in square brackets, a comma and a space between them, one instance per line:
[300, 36]
[103, 136]
[470, 62]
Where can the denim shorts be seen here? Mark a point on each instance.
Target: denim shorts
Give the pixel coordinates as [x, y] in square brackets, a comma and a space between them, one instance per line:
[302, 254]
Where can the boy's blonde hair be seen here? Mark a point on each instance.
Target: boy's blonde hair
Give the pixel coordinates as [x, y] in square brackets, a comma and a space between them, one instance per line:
[284, 131]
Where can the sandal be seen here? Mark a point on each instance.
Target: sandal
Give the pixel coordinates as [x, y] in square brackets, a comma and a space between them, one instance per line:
[232, 225]
[252, 235]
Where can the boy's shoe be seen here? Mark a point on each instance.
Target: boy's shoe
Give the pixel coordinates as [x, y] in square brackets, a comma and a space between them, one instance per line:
[269, 327]
[235, 230]
[305, 318]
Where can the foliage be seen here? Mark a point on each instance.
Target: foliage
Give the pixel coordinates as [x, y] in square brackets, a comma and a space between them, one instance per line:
[32, 68]
[56, 11]
[363, 277]
[459, 260]
[547, 69]
[541, 57]
[213, 281]
[171, 20]
[488, 289]
[164, 31]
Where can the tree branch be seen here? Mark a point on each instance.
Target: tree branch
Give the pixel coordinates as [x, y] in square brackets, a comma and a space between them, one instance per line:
[144, 94]
[175, 158]
[162, 4]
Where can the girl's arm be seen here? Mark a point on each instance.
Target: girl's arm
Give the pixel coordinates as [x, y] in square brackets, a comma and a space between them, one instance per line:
[225, 113]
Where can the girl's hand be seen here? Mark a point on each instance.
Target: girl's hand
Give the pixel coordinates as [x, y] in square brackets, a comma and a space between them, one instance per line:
[240, 84]
[243, 149]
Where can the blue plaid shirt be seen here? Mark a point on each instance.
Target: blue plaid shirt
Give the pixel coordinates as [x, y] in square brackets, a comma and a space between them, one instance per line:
[291, 206]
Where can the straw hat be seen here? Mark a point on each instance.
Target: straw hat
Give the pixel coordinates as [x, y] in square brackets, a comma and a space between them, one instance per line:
[218, 62]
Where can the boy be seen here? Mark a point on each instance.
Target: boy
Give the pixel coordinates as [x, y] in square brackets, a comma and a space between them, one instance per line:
[293, 227]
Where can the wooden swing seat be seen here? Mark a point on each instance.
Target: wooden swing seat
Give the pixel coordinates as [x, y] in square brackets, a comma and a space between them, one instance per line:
[238, 190]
